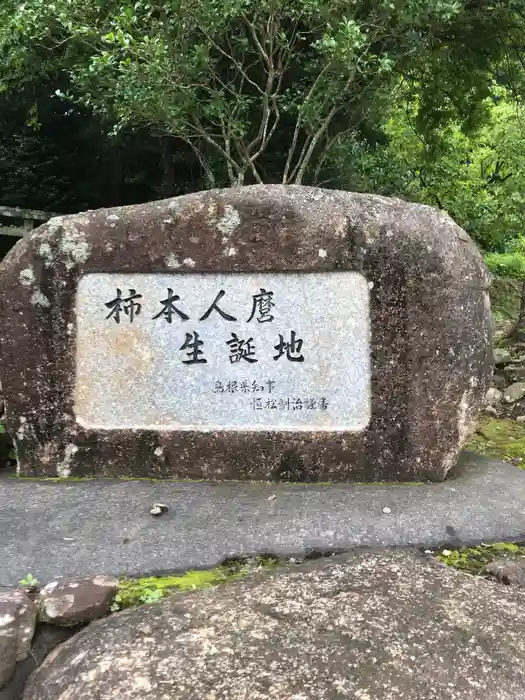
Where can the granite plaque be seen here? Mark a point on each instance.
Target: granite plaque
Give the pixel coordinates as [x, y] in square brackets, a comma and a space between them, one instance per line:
[209, 351]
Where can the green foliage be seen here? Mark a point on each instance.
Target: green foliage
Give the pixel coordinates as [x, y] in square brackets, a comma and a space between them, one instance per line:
[477, 176]
[473, 559]
[506, 264]
[266, 90]
[414, 99]
[134, 592]
[59, 156]
[29, 581]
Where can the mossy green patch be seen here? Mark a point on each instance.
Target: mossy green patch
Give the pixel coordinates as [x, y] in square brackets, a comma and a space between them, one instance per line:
[150, 589]
[473, 559]
[500, 438]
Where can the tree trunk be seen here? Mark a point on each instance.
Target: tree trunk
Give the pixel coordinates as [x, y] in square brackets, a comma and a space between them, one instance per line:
[518, 332]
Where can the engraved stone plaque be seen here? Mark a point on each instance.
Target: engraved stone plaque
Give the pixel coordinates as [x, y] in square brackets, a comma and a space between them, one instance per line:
[259, 333]
[237, 351]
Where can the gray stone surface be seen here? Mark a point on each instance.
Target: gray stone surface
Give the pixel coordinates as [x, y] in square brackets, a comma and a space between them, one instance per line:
[515, 373]
[502, 356]
[514, 392]
[74, 602]
[385, 625]
[507, 570]
[26, 614]
[134, 374]
[494, 396]
[79, 529]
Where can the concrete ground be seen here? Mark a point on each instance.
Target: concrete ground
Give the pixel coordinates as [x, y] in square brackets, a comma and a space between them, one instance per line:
[51, 529]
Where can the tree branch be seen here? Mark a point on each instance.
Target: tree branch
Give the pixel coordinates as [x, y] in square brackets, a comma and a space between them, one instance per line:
[313, 143]
[210, 177]
[204, 135]
[326, 151]
[297, 129]
[236, 63]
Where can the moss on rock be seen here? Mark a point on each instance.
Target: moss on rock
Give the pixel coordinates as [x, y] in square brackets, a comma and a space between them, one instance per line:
[138, 591]
[500, 438]
[474, 559]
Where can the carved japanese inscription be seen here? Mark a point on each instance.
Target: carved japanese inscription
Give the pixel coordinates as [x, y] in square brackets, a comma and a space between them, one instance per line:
[211, 351]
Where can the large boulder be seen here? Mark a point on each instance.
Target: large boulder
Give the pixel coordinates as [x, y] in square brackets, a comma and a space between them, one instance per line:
[387, 625]
[352, 343]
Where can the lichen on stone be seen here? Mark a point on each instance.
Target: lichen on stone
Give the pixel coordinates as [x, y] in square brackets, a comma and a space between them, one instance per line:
[74, 247]
[46, 252]
[64, 466]
[229, 221]
[27, 277]
[172, 261]
[39, 299]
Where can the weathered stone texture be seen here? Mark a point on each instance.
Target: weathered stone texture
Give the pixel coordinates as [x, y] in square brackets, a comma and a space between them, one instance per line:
[430, 321]
[46, 638]
[8, 639]
[17, 627]
[390, 625]
[70, 603]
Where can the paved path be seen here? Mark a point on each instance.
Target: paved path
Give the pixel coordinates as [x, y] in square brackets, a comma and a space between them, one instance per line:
[50, 529]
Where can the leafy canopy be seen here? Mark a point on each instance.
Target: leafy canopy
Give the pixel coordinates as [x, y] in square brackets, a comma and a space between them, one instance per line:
[260, 90]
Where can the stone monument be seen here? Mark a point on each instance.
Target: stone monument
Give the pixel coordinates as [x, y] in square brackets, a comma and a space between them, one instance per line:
[256, 333]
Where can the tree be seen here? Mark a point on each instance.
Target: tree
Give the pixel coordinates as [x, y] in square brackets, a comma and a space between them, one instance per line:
[260, 91]
[58, 156]
[477, 177]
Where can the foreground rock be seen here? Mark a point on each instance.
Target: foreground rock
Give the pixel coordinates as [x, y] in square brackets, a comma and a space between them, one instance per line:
[387, 625]
[45, 640]
[8, 634]
[509, 571]
[514, 392]
[70, 603]
[17, 626]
